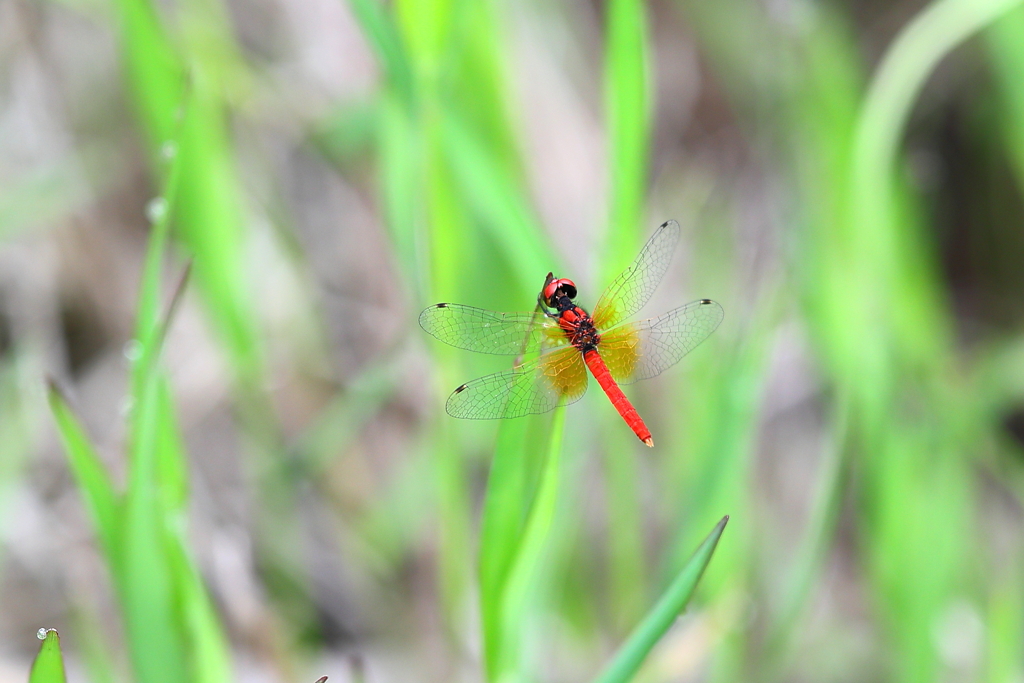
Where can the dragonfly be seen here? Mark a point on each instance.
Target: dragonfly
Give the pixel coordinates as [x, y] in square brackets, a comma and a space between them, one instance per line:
[563, 341]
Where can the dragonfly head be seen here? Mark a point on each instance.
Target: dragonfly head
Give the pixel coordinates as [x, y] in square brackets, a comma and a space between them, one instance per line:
[556, 289]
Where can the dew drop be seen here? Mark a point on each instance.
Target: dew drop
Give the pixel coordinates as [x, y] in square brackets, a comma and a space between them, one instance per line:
[168, 150]
[156, 208]
[41, 634]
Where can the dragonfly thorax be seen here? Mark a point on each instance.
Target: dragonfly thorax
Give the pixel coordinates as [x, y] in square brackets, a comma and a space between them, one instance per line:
[578, 327]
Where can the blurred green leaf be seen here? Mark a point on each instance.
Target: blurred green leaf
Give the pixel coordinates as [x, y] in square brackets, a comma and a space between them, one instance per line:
[508, 219]
[900, 274]
[154, 71]
[351, 131]
[1005, 42]
[91, 475]
[515, 524]
[428, 28]
[523, 583]
[151, 605]
[627, 572]
[501, 522]
[398, 182]
[1005, 626]
[207, 643]
[379, 28]
[172, 465]
[40, 197]
[95, 645]
[627, 122]
[673, 601]
[627, 114]
[49, 664]
[209, 203]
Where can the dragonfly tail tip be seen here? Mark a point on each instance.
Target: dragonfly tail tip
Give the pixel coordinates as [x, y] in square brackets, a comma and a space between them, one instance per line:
[649, 442]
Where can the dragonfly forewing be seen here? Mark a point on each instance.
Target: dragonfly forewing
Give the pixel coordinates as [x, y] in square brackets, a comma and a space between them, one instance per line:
[483, 331]
[638, 350]
[633, 288]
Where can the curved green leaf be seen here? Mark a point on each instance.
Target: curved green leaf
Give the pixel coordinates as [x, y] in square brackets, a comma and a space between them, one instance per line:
[646, 635]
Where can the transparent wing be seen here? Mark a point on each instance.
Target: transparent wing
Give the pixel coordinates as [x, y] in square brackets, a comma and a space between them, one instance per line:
[476, 329]
[628, 293]
[645, 348]
[558, 378]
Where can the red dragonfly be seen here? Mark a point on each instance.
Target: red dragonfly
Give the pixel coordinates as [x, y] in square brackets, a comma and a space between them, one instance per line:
[570, 340]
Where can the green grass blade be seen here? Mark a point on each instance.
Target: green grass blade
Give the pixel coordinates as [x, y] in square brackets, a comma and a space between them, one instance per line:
[398, 180]
[385, 40]
[502, 519]
[172, 465]
[210, 658]
[152, 624]
[154, 70]
[817, 540]
[932, 35]
[449, 224]
[428, 29]
[1005, 42]
[167, 609]
[49, 664]
[149, 330]
[211, 223]
[1005, 625]
[631, 655]
[494, 194]
[208, 645]
[912, 475]
[101, 499]
[209, 207]
[95, 650]
[523, 579]
[627, 568]
[515, 523]
[627, 124]
[627, 113]
[148, 309]
[899, 280]
[158, 582]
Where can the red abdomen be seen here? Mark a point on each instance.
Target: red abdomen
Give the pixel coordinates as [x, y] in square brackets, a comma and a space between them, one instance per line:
[626, 410]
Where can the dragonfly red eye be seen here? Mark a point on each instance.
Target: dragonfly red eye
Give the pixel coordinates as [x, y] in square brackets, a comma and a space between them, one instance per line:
[565, 284]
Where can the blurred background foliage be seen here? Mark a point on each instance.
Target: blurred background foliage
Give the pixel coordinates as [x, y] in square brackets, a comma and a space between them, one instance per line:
[248, 473]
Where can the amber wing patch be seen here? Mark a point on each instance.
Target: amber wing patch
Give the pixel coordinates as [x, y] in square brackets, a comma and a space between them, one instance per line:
[554, 379]
[621, 350]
